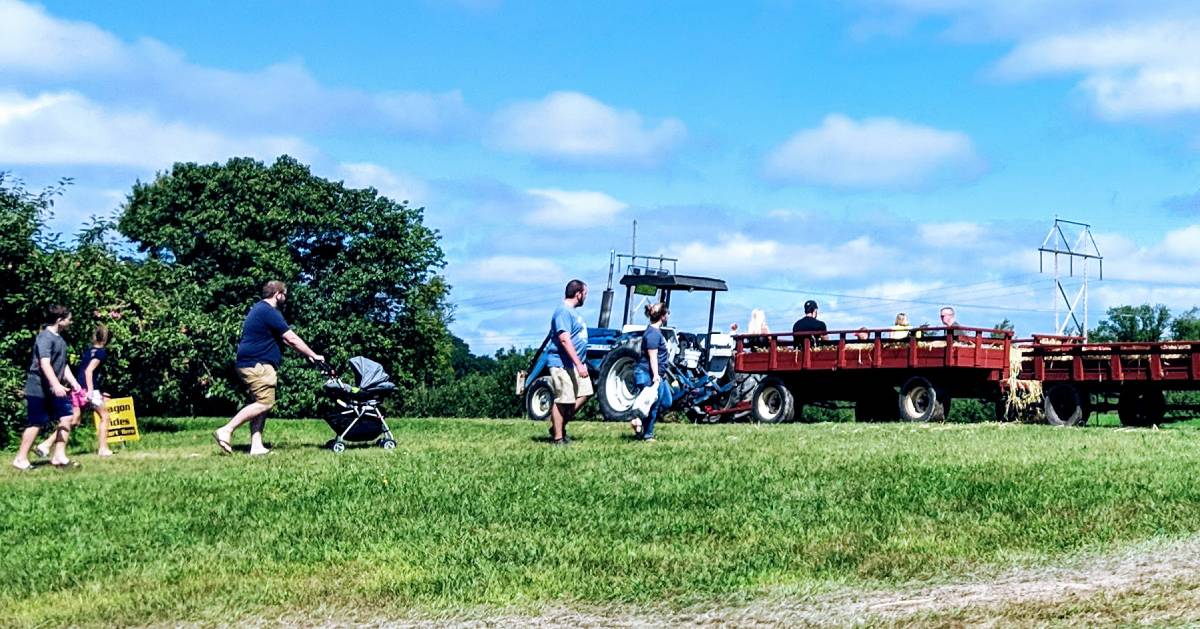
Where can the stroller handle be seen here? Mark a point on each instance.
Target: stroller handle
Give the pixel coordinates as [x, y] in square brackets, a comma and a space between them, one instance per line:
[323, 367]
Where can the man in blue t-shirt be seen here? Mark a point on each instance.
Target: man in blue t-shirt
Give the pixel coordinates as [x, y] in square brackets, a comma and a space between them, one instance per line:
[264, 332]
[565, 354]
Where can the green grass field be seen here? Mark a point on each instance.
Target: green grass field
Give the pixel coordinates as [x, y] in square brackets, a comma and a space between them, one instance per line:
[482, 514]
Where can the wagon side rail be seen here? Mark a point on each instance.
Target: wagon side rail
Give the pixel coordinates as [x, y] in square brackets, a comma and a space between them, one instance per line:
[878, 348]
[1160, 361]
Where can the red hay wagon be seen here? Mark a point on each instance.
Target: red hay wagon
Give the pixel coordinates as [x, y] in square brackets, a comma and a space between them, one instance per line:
[1078, 378]
[912, 378]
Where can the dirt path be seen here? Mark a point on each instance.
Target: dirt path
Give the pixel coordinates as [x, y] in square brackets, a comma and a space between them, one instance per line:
[1156, 584]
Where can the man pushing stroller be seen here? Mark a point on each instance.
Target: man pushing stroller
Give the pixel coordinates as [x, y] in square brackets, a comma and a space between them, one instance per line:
[264, 332]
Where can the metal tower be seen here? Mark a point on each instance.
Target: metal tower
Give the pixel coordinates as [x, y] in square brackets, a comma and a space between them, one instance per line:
[1079, 244]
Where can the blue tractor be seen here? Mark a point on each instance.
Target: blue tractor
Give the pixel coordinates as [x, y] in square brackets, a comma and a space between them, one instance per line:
[700, 367]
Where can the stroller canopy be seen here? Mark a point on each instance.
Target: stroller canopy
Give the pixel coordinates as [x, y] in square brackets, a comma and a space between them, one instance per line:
[370, 374]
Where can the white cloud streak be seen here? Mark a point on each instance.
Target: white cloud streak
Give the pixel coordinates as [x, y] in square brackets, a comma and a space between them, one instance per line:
[391, 184]
[67, 128]
[873, 153]
[572, 208]
[576, 128]
[46, 51]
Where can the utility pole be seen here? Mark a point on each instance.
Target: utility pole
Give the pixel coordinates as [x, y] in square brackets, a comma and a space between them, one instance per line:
[1069, 240]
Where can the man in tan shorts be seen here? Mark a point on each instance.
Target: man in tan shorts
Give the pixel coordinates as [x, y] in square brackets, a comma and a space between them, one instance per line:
[565, 355]
[264, 332]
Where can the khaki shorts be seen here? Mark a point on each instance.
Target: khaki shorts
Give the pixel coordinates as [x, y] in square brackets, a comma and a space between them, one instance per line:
[568, 386]
[261, 381]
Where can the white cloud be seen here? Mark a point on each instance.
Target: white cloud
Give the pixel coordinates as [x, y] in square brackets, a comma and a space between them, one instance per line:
[508, 269]
[740, 255]
[67, 128]
[1133, 59]
[572, 208]
[46, 50]
[574, 127]
[391, 184]
[33, 42]
[1134, 69]
[958, 234]
[873, 153]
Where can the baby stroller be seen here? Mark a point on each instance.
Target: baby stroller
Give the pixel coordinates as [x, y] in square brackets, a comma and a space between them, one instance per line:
[356, 415]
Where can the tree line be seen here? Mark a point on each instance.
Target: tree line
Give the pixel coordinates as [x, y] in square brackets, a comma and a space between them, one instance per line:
[173, 274]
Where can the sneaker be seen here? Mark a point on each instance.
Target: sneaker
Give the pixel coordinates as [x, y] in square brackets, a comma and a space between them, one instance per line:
[649, 439]
[636, 425]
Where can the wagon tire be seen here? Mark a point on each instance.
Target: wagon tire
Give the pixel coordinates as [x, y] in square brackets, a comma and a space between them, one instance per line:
[539, 399]
[920, 401]
[1064, 406]
[772, 402]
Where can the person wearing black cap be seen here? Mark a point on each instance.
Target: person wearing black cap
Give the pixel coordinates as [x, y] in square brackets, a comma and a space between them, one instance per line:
[809, 322]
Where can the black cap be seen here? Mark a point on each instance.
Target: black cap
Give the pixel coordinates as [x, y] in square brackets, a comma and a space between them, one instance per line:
[810, 306]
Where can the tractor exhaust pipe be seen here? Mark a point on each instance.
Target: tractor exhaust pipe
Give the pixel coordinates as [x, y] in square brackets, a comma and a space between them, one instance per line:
[606, 302]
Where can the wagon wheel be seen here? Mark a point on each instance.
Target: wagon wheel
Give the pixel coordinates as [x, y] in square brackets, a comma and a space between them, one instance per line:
[1141, 407]
[920, 401]
[772, 402]
[1064, 406]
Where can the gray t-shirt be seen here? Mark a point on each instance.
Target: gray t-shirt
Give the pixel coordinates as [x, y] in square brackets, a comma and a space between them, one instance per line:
[52, 346]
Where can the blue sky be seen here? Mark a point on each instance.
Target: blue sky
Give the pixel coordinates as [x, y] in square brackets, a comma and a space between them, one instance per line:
[877, 155]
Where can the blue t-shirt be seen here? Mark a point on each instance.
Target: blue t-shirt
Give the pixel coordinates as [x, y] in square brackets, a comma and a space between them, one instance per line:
[262, 336]
[98, 353]
[654, 339]
[566, 320]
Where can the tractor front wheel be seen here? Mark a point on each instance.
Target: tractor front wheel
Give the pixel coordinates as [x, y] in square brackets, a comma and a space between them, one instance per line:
[539, 399]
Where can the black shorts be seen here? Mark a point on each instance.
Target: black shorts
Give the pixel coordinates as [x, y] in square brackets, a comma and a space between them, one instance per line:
[43, 411]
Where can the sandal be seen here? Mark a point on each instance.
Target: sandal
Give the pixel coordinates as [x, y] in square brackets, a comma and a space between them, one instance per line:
[222, 444]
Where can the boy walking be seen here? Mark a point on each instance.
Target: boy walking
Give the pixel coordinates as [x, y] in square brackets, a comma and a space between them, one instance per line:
[47, 400]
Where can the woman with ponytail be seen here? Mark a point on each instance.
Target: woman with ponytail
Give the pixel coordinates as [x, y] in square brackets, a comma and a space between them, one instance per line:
[651, 369]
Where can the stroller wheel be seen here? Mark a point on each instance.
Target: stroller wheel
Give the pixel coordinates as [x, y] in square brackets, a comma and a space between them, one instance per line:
[387, 444]
[338, 446]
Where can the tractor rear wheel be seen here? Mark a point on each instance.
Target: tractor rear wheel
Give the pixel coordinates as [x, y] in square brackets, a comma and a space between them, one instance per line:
[615, 389]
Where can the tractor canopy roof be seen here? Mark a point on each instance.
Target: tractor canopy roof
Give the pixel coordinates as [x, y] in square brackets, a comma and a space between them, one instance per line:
[674, 282]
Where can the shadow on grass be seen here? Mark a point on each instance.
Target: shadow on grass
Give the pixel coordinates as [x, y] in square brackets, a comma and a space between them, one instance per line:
[160, 425]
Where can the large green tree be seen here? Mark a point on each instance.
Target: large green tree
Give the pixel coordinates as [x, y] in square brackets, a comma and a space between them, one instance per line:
[363, 270]
[1133, 323]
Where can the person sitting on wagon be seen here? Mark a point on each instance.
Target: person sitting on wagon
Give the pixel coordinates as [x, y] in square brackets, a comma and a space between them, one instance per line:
[950, 321]
[757, 326]
[809, 322]
[900, 329]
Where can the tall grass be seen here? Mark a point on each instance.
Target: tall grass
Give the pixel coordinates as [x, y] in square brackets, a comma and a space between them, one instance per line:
[481, 513]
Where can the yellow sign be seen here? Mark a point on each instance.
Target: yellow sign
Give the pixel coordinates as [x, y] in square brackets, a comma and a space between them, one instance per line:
[122, 422]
